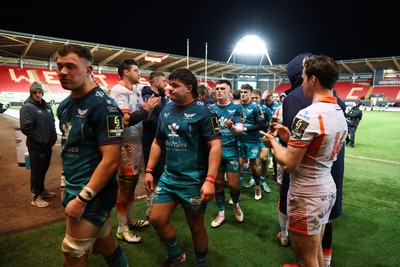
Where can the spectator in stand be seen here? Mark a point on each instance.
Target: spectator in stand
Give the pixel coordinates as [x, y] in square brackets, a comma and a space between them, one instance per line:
[37, 123]
[294, 102]
[158, 83]
[230, 165]
[353, 117]
[130, 100]
[189, 131]
[91, 126]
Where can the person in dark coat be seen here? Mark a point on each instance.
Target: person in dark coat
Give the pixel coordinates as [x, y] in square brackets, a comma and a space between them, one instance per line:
[37, 123]
[353, 117]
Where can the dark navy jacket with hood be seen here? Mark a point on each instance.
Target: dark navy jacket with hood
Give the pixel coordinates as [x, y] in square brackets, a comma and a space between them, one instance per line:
[37, 123]
[150, 126]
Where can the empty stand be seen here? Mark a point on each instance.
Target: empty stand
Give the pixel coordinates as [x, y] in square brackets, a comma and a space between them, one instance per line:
[281, 88]
[345, 90]
[390, 92]
[14, 79]
[352, 91]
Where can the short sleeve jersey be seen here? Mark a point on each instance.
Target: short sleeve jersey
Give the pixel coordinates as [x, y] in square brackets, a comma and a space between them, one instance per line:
[185, 131]
[251, 114]
[225, 113]
[87, 123]
[321, 129]
[129, 100]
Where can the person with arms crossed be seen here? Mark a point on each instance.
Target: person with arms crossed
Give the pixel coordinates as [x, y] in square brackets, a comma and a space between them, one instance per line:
[317, 136]
[37, 123]
[230, 165]
[91, 126]
[189, 132]
[131, 103]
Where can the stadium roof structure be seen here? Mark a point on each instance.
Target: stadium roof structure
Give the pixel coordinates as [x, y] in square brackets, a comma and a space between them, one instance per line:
[29, 48]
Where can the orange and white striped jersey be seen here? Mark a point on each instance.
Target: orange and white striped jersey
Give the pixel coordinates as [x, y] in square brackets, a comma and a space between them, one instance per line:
[321, 129]
[129, 100]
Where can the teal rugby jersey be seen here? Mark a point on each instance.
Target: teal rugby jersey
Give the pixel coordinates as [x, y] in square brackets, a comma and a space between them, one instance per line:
[224, 113]
[251, 114]
[185, 131]
[87, 123]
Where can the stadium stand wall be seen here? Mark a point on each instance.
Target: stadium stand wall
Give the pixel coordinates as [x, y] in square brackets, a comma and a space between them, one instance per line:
[16, 81]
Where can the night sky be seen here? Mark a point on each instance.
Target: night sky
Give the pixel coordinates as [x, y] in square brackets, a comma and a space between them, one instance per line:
[340, 29]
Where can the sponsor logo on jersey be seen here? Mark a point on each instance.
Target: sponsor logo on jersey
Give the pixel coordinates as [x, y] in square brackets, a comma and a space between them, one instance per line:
[298, 127]
[99, 93]
[115, 126]
[215, 124]
[112, 108]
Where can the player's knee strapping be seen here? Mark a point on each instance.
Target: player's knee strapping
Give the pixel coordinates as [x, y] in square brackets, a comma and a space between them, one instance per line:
[77, 247]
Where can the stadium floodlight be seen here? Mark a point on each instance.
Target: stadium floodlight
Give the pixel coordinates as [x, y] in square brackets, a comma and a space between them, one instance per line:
[251, 45]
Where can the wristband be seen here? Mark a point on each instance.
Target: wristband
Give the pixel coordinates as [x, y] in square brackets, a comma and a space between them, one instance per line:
[86, 194]
[81, 199]
[210, 179]
[149, 170]
[62, 186]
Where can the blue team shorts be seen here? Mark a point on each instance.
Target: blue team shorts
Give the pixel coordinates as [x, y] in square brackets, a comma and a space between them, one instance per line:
[187, 195]
[249, 151]
[230, 160]
[99, 208]
[262, 144]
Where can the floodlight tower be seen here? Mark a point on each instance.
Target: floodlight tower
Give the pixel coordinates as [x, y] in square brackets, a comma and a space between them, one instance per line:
[251, 45]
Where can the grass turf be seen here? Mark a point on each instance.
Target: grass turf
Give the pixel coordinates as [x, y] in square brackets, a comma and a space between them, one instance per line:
[366, 234]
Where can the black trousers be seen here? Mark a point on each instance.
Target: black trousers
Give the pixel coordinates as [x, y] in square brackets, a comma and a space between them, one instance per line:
[40, 161]
[351, 137]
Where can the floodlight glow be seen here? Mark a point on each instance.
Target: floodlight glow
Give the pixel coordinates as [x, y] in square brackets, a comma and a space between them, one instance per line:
[251, 44]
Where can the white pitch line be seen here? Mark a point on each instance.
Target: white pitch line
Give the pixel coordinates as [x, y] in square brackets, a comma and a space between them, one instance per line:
[381, 160]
